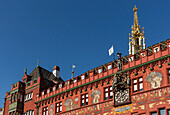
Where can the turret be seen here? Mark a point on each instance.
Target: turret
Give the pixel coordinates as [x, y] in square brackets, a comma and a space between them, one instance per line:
[56, 71]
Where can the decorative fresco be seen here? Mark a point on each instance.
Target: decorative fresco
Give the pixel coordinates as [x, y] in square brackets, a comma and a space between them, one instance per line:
[95, 95]
[39, 111]
[155, 79]
[76, 99]
[70, 104]
[141, 98]
[93, 110]
[51, 109]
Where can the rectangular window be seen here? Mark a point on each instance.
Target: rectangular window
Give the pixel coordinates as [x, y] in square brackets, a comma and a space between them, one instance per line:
[28, 96]
[169, 75]
[162, 111]
[100, 70]
[108, 93]
[141, 84]
[153, 113]
[58, 107]
[137, 84]
[84, 99]
[32, 112]
[109, 67]
[169, 112]
[45, 111]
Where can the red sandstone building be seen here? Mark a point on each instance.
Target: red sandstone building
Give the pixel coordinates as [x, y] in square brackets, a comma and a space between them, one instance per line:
[136, 84]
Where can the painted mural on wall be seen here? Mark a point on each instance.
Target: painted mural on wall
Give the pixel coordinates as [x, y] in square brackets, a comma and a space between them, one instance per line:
[51, 109]
[70, 104]
[155, 79]
[39, 111]
[95, 95]
[93, 110]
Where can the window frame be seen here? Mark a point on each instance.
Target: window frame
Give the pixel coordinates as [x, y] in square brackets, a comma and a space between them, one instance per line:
[109, 91]
[46, 110]
[58, 106]
[168, 73]
[85, 97]
[138, 84]
[160, 110]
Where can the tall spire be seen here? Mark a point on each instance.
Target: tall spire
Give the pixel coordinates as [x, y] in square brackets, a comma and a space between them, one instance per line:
[136, 23]
[136, 36]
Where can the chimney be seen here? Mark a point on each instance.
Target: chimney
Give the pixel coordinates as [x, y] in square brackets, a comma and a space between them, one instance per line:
[56, 71]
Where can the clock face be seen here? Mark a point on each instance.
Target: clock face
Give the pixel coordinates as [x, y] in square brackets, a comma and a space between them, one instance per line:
[121, 96]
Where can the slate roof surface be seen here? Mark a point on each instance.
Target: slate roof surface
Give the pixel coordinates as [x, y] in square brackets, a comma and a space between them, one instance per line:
[41, 72]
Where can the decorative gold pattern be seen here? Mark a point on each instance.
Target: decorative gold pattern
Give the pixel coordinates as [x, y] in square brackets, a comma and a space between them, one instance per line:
[151, 105]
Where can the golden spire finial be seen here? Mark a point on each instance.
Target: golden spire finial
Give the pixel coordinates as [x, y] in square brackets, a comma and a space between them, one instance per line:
[135, 9]
[135, 17]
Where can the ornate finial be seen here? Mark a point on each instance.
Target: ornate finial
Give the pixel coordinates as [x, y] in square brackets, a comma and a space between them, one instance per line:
[135, 9]
[25, 71]
[38, 61]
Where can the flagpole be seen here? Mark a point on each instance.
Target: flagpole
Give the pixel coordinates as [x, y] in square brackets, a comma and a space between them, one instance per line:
[73, 66]
[72, 72]
[113, 54]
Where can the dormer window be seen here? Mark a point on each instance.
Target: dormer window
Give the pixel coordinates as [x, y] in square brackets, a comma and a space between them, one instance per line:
[75, 80]
[100, 70]
[68, 82]
[48, 91]
[109, 67]
[54, 88]
[60, 85]
[82, 77]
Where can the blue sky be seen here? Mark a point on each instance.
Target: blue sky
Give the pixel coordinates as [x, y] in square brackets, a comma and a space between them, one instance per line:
[66, 32]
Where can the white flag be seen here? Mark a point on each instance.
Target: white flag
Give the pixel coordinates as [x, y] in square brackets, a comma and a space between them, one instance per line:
[111, 51]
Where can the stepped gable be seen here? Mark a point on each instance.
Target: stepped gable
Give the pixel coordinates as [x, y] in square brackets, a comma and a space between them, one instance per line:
[41, 72]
